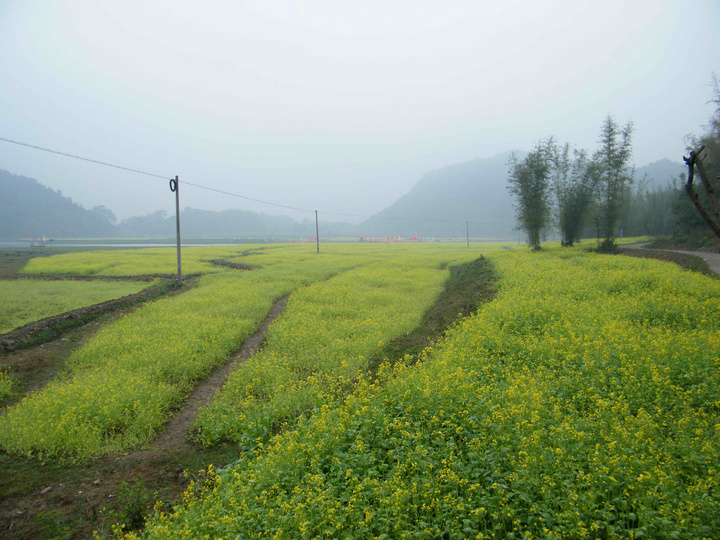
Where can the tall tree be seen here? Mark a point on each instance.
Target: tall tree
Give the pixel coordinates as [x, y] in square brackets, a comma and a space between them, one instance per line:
[705, 158]
[529, 183]
[573, 183]
[614, 178]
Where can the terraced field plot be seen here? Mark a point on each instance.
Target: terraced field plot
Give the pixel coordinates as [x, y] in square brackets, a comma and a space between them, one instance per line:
[581, 402]
[119, 389]
[27, 300]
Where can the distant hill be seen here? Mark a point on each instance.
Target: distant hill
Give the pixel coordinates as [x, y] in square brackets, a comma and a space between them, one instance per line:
[475, 191]
[437, 206]
[227, 224]
[27, 207]
[660, 174]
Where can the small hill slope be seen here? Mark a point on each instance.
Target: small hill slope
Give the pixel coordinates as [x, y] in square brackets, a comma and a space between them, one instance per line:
[444, 199]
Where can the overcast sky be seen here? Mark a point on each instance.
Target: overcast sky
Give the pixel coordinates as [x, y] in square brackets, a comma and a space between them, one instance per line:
[335, 105]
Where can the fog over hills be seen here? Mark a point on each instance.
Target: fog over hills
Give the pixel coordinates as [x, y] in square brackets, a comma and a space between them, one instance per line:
[444, 199]
[476, 191]
[438, 206]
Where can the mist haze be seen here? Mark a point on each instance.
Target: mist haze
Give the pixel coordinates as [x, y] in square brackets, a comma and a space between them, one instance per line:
[339, 107]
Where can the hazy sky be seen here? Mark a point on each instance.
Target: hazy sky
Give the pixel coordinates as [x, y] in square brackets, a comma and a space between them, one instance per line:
[335, 105]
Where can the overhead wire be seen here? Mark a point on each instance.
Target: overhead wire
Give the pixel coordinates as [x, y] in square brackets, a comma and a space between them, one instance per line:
[230, 194]
[83, 158]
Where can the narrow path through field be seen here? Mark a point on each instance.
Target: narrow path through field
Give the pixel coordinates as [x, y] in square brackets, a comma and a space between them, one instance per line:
[175, 435]
[713, 259]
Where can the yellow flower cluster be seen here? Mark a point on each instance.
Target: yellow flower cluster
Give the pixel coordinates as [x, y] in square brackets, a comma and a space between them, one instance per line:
[319, 345]
[118, 389]
[582, 403]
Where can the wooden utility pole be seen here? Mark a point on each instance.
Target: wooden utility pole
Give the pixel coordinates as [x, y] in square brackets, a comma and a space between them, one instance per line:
[175, 186]
[317, 233]
[467, 232]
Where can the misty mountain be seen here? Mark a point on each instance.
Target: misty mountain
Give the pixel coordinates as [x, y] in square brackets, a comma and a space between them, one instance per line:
[27, 207]
[476, 191]
[442, 200]
[660, 174]
[437, 206]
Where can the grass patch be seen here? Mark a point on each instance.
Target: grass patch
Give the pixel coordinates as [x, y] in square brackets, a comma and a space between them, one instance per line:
[27, 300]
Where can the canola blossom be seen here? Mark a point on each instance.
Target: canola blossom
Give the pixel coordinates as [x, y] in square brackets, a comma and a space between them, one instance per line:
[582, 402]
[131, 262]
[321, 342]
[118, 389]
[26, 300]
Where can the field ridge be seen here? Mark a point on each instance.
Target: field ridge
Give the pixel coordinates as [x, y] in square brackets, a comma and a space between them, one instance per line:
[175, 434]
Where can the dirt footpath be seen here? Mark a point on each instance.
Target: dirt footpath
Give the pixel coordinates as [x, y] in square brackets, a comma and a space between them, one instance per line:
[712, 259]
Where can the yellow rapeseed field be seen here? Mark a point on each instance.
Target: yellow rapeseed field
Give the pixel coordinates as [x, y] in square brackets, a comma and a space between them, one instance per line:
[582, 403]
[118, 389]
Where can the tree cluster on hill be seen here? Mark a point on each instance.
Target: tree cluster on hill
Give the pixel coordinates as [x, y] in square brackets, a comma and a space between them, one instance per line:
[228, 224]
[29, 208]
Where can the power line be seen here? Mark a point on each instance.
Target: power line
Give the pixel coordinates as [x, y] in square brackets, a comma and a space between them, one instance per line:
[207, 188]
[83, 158]
[246, 198]
[398, 218]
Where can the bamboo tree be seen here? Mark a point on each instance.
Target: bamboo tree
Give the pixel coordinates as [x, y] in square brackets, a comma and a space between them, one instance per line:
[529, 183]
[573, 183]
[610, 164]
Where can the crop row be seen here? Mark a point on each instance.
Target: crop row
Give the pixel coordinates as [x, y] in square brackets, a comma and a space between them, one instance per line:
[118, 389]
[26, 300]
[324, 338]
[582, 403]
[128, 262]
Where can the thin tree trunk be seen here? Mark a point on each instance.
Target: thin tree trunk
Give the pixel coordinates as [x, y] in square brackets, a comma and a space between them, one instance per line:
[692, 161]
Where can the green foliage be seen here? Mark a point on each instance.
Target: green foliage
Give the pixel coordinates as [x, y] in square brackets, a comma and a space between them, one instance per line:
[320, 344]
[528, 181]
[573, 180]
[135, 502]
[614, 178]
[6, 385]
[120, 387]
[26, 300]
[581, 403]
[650, 211]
